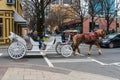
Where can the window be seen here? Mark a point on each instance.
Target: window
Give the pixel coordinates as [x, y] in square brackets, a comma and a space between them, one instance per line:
[1, 20]
[118, 36]
[9, 1]
[1, 31]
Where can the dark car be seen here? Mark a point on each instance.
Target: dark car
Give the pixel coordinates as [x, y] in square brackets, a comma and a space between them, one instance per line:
[112, 40]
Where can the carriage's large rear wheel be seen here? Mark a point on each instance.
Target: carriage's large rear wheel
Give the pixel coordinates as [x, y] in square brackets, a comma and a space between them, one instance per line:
[17, 50]
[66, 50]
[58, 47]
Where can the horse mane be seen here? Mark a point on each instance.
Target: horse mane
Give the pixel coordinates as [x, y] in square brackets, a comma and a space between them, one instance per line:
[100, 32]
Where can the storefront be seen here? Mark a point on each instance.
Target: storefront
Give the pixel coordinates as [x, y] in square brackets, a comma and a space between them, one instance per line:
[10, 21]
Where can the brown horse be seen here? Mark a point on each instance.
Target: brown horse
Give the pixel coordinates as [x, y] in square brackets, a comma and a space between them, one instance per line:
[88, 38]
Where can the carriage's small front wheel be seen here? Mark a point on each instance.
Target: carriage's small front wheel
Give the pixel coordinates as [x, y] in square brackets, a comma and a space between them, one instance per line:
[66, 50]
[17, 50]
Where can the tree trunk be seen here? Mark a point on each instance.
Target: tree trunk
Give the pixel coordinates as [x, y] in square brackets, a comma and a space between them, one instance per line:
[92, 23]
[108, 26]
[40, 21]
[82, 25]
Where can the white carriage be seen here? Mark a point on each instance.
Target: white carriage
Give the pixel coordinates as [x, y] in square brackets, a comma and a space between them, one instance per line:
[18, 48]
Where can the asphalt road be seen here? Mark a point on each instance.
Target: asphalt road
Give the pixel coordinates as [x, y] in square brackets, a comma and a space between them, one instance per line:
[107, 64]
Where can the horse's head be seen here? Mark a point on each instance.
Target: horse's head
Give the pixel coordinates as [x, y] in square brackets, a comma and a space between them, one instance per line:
[101, 33]
[12, 36]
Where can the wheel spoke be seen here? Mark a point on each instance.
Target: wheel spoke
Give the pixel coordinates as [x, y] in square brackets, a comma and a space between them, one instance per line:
[66, 50]
[17, 50]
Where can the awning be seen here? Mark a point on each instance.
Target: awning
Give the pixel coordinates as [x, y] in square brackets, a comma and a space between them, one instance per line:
[19, 19]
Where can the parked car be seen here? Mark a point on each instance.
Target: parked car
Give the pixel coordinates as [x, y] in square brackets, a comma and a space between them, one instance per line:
[111, 41]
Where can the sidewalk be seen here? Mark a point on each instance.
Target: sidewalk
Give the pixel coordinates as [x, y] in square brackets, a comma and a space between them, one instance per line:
[4, 46]
[38, 72]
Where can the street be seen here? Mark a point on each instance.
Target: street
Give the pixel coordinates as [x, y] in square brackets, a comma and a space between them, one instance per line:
[107, 64]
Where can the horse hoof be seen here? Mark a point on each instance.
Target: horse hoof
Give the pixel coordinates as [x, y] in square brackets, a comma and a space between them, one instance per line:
[100, 54]
[79, 52]
[89, 54]
[74, 53]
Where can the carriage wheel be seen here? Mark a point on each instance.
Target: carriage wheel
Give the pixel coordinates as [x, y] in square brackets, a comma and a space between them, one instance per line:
[66, 50]
[58, 47]
[17, 50]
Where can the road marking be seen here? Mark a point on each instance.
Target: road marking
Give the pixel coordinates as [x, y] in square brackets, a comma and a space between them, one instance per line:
[1, 54]
[47, 60]
[116, 63]
[101, 63]
[70, 60]
[81, 54]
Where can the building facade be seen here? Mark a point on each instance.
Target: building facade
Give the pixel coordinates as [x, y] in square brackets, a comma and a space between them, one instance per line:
[11, 19]
[102, 7]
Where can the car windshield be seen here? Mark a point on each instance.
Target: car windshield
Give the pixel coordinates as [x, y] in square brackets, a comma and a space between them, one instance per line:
[110, 36]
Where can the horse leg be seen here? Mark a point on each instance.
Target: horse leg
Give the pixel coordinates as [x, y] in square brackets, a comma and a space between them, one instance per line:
[74, 49]
[78, 49]
[99, 49]
[89, 50]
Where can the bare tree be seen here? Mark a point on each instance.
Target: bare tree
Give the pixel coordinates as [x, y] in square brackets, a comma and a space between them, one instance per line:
[109, 10]
[95, 8]
[37, 13]
[80, 8]
[59, 15]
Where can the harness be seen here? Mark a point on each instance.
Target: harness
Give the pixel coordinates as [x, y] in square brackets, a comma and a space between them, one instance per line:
[90, 37]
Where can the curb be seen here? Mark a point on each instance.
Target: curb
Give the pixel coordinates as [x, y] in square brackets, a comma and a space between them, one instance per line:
[36, 67]
[4, 47]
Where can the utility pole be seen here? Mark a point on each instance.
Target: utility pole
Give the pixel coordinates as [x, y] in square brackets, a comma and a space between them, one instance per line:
[116, 16]
[43, 13]
[116, 20]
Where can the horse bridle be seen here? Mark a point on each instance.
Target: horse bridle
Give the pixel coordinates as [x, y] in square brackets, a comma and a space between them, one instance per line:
[100, 35]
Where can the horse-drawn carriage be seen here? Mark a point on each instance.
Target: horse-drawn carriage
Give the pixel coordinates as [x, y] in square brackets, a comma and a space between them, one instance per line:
[18, 48]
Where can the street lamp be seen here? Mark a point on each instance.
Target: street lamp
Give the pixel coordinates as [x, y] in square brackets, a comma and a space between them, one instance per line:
[116, 15]
[116, 19]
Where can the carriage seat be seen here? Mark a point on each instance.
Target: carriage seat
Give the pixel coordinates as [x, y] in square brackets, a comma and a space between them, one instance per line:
[35, 45]
[34, 42]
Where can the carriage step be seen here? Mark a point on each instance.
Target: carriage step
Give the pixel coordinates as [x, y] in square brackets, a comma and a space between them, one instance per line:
[33, 52]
